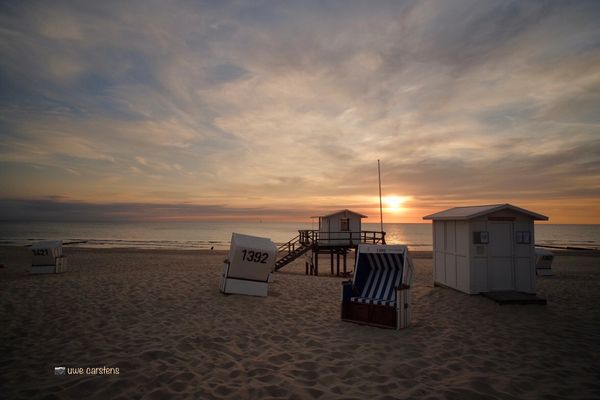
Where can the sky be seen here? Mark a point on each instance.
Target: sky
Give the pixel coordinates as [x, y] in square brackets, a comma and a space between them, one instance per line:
[279, 110]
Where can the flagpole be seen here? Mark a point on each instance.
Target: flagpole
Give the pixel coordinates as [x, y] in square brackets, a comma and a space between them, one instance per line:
[380, 202]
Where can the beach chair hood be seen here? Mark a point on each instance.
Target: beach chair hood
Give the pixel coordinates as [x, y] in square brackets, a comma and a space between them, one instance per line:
[251, 257]
[379, 271]
[249, 266]
[47, 257]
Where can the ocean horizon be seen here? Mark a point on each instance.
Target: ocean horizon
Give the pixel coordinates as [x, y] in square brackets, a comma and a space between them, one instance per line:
[183, 235]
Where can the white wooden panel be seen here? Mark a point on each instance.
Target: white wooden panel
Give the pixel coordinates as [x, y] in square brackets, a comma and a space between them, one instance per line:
[323, 230]
[355, 229]
[523, 250]
[524, 277]
[479, 278]
[462, 238]
[334, 230]
[462, 274]
[438, 227]
[500, 274]
[440, 267]
[501, 261]
[477, 225]
[450, 236]
[501, 239]
[532, 224]
[451, 270]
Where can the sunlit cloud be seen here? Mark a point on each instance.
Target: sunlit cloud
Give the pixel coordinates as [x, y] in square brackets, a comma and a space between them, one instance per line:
[394, 204]
[287, 106]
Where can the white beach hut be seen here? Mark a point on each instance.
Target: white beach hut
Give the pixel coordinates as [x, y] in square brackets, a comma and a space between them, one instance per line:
[485, 248]
[340, 228]
[249, 266]
[48, 257]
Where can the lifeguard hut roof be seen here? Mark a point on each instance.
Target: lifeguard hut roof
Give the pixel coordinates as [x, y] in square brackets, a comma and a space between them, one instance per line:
[466, 213]
[346, 211]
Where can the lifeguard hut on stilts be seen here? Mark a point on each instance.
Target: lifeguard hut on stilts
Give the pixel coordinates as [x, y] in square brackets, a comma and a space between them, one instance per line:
[339, 233]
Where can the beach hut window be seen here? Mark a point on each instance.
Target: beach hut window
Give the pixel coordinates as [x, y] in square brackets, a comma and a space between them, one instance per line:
[523, 237]
[481, 237]
[344, 224]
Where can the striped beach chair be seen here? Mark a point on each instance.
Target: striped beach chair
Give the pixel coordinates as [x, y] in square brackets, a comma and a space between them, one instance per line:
[379, 293]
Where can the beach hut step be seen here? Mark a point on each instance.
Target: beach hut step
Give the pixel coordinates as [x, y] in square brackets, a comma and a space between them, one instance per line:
[513, 297]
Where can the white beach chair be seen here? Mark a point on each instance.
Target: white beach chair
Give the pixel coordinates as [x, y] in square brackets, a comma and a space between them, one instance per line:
[379, 293]
[249, 266]
[48, 258]
[543, 262]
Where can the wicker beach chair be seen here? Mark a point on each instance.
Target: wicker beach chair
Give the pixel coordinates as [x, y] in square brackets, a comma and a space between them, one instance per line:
[48, 258]
[543, 262]
[249, 266]
[379, 293]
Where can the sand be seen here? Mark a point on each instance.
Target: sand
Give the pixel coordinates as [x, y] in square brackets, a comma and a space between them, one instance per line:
[159, 318]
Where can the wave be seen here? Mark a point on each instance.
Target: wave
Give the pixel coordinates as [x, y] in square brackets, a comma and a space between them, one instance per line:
[224, 245]
[194, 236]
[128, 243]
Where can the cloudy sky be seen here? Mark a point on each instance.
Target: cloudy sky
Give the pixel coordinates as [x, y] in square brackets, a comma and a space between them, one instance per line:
[280, 109]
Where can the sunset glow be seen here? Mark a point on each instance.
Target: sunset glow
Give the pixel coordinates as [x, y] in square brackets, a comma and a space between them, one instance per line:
[393, 204]
[280, 111]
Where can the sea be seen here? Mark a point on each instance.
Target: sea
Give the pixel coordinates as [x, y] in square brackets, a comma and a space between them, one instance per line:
[217, 235]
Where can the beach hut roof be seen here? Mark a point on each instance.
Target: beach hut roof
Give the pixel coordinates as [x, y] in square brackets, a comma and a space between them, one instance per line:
[465, 213]
[344, 211]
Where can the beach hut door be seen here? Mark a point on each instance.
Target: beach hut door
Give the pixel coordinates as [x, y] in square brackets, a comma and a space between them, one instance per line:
[501, 273]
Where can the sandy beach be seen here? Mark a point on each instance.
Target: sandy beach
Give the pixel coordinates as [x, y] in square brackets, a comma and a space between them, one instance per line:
[158, 318]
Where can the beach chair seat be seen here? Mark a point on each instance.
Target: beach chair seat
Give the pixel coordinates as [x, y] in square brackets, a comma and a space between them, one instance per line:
[249, 266]
[379, 302]
[379, 292]
[48, 258]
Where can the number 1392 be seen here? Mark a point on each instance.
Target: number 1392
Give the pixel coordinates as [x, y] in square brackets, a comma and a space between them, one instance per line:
[255, 256]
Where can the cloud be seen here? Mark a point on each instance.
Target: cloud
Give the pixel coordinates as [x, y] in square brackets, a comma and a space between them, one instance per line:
[65, 210]
[265, 104]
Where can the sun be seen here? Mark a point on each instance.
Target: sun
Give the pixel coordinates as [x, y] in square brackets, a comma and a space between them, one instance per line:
[394, 203]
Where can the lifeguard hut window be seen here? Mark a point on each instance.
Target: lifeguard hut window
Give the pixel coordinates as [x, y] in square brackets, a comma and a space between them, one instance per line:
[523, 237]
[344, 224]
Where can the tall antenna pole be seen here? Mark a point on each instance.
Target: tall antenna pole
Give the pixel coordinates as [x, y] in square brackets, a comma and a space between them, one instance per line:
[380, 202]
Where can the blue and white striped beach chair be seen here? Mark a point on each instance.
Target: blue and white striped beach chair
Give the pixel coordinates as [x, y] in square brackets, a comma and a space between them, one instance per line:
[379, 293]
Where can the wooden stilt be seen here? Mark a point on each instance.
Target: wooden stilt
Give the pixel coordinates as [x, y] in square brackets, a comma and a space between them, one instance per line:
[337, 263]
[345, 254]
[317, 262]
[331, 254]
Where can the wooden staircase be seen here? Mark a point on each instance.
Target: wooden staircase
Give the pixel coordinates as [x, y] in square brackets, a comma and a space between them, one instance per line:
[335, 242]
[291, 250]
